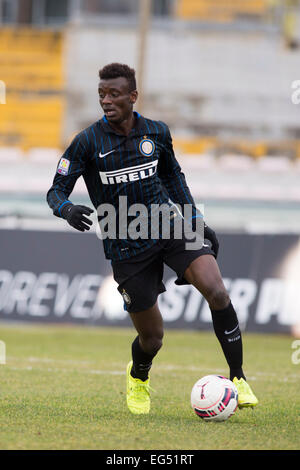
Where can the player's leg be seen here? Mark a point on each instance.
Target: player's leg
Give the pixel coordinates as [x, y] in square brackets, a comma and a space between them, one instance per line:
[199, 268]
[204, 274]
[149, 326]
[140, 283]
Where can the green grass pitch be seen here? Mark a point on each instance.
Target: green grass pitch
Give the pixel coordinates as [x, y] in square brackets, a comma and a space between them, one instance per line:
[63, 387]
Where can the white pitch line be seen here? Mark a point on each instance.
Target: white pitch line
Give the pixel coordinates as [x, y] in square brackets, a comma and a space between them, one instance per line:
[49, 360]
[258, 377]
[56, 369]
[159, 367]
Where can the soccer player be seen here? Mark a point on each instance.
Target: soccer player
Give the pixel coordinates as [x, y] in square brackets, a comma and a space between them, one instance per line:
[126, 154]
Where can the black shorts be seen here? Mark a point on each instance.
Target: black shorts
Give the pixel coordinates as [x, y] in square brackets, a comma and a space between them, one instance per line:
[140, 278]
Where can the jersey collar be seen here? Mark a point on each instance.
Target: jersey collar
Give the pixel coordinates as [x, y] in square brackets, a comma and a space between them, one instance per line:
[140, 126]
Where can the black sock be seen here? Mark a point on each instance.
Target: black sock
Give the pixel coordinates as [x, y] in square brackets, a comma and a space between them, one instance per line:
[228, 332]
[142, 361]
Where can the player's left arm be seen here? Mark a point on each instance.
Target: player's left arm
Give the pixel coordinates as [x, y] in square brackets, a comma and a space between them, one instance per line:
[173, 179]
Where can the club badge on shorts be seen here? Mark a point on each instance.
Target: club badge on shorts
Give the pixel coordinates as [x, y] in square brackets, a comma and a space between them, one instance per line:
[147, 147]
[63, 166]
[126, 297]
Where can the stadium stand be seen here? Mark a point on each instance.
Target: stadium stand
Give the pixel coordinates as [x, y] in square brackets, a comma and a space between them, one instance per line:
[240, 147]
[31, 65]
[221, 10]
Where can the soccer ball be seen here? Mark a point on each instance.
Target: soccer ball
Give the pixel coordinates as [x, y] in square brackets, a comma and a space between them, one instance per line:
[214, 398]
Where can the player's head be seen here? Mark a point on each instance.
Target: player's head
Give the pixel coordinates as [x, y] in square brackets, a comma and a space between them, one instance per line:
[117, 91]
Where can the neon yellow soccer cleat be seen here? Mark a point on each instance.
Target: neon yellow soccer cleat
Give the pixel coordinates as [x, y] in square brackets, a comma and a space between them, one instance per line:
[246, 397]
[138, 393]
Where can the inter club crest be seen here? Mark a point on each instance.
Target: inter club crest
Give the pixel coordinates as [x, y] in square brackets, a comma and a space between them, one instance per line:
[147, 147]
[126, 297]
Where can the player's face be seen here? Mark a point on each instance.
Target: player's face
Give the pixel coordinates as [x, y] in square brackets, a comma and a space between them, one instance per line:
[116, 100]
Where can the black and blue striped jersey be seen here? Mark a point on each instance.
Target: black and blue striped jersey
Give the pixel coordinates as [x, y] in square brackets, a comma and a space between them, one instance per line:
[141, 166]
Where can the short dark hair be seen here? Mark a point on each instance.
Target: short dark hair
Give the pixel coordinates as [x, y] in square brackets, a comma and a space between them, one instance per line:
[116, 70]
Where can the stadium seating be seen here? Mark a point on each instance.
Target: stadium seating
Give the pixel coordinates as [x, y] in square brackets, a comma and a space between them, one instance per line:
[31, 67]
[43, 155]
[241, 148]
[10, 154]
[236, 162]
[220, 10]
[277, 163]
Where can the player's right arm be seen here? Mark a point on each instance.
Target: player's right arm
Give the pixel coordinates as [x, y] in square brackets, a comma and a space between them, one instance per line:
[173, 179]
[70, 167]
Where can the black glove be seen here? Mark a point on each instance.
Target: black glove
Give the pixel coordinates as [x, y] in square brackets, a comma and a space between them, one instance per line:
[210, 235]
[75, 216]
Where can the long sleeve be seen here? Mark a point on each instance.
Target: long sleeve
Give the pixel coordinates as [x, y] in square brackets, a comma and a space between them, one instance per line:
[173, 179]
[70, 167]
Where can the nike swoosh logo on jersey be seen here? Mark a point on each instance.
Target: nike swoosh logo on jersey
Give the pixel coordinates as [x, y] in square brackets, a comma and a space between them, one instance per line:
[228, 332]
[102, 155]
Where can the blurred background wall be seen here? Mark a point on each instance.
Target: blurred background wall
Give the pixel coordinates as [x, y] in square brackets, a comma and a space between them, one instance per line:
[219, 72]
[223, 74]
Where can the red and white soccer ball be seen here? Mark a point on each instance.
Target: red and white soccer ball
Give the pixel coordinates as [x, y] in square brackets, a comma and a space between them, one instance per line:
[214, 398]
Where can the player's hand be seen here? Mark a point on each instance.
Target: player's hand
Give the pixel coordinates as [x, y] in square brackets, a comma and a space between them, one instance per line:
[76, 217]
[210, 235]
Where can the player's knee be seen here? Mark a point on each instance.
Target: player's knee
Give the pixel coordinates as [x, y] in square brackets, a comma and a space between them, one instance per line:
[152, 344]
[218, 299]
